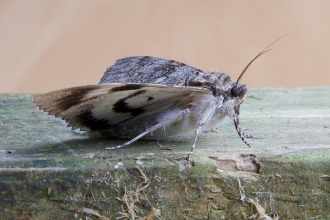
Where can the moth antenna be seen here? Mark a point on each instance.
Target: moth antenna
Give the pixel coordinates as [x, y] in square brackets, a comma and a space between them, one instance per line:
[259, 54]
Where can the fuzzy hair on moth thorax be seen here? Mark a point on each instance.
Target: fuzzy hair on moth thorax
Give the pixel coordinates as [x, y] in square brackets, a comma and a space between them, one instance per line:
[141, 96]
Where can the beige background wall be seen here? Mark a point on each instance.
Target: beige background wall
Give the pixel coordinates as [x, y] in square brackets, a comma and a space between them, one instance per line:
[52, 44]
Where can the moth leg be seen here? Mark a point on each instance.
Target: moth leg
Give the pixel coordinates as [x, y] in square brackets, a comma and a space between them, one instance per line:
[164, 123]
[241, 134]
[208, 111]
[246, 135]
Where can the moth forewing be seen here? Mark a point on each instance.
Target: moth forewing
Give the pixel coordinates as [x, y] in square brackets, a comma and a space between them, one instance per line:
[115, 106]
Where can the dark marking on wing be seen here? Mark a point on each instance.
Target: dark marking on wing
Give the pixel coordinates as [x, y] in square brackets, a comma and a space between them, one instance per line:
[88, 120]
[54, 103]
[126, 88]
[121, 106]
[150, 98]
[73, 98]
[145, 69]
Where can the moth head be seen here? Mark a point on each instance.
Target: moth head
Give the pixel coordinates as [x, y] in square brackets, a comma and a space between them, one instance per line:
[238, 92]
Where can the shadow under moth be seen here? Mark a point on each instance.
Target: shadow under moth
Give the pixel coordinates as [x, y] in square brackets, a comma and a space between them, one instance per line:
[147, 96]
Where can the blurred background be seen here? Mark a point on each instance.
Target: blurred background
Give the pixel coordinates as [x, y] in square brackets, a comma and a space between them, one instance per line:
[52, 44]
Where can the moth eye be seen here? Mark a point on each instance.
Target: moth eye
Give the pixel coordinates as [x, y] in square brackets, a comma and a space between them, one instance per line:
[235, 92]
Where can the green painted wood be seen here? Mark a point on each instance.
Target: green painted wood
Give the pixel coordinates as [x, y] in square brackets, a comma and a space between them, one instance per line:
[49, 172]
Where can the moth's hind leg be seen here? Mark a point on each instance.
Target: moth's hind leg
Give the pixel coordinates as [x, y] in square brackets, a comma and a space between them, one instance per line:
[171, 118]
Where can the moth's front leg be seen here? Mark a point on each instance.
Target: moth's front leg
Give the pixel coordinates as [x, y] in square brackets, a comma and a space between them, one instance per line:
[241, 134]
[238, 128]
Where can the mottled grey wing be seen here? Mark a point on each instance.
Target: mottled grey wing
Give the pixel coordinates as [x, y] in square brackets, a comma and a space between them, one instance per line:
[145, 69]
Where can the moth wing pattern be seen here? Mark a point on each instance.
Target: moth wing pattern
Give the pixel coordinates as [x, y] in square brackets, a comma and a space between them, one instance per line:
[147, 69]
[107, 106]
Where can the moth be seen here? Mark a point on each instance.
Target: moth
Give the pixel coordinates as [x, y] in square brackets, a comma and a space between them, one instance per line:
[145, 96]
